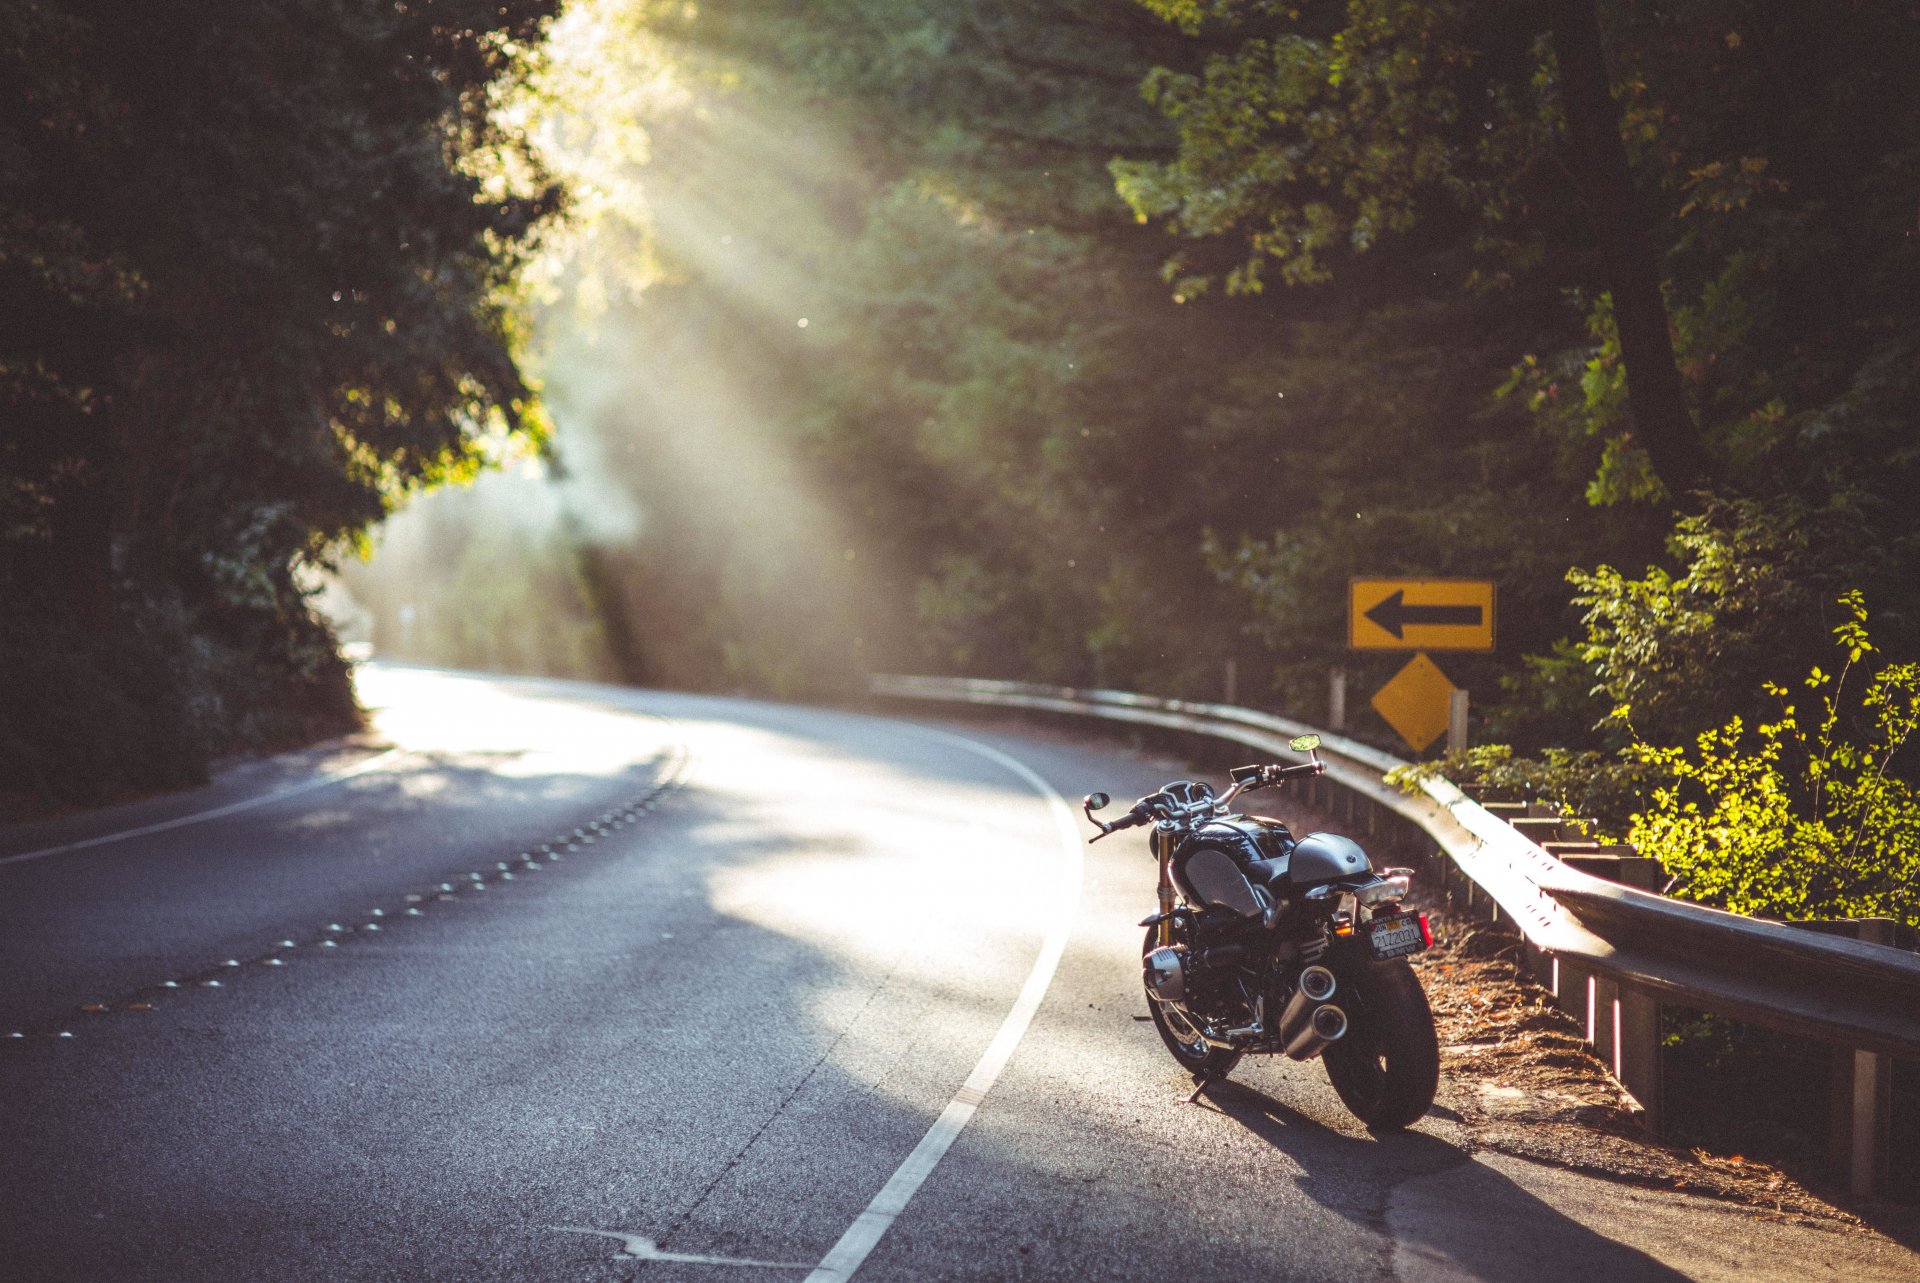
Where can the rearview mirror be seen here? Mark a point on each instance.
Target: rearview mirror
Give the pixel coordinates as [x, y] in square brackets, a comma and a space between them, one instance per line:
[1304, 743]
[1094, 801]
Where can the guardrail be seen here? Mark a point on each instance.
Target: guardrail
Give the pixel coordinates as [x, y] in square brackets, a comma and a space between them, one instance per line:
[1613, 954]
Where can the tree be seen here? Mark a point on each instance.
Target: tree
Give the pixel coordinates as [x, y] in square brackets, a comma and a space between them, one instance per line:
[252, 291]
[1324, 131]
[1629, 267]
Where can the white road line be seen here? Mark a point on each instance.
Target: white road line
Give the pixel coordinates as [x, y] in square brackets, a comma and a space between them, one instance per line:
[868, 1228]
[372, 763]
[638, 1247]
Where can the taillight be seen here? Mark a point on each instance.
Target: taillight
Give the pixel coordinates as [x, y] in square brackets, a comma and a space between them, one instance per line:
[1426, 930]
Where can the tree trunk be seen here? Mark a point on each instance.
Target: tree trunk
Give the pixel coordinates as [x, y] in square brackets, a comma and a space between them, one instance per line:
[1663, 427]
[608, 603]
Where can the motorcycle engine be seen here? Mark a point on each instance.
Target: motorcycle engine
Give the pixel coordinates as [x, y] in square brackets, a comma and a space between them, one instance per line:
[1211, 970]
[1165, 973]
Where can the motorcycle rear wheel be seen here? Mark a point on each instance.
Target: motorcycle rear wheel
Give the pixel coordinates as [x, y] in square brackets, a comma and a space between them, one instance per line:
[1195, 1054]
[1387, 1067]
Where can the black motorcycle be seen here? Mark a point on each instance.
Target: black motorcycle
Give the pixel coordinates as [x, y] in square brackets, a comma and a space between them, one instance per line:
[1268, 945]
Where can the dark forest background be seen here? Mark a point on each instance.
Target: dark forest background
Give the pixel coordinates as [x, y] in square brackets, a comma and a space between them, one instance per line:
[1088, 341]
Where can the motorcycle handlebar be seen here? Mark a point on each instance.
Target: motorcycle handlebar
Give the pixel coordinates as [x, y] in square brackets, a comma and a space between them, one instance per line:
[1143, 812]
[1131, 820]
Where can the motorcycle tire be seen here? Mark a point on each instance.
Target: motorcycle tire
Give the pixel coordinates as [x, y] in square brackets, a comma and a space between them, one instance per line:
[1387, 1068]
[1197, 1057]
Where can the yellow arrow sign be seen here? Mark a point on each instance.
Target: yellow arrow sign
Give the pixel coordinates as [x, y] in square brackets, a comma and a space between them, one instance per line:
[1416, 702]
[1420, 614]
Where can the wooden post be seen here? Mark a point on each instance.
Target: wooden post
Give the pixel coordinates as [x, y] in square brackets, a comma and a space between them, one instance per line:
[1637, 1053]
[1862, 1110]
[1337, 700]
[1603, 1017]
[1570, 986]
[1872, 1120]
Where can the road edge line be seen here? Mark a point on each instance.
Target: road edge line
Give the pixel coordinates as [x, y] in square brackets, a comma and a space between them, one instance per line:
[246, 804]
[847, 1255]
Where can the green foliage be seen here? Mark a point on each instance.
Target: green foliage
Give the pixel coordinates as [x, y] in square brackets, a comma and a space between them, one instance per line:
[1605, 789]
[1798, 817]
[1672, 653]
[1582, 393]
[1316, 139]
[1313, 138]
[93, 714]
[251, 292]
[1792, 817]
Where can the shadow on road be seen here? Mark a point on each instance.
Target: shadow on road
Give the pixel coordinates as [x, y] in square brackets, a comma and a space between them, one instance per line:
[1515, 1236]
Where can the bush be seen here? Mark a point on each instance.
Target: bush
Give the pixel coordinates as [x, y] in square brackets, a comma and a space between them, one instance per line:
[1607, 788]
[92, 714]
[1790, 821]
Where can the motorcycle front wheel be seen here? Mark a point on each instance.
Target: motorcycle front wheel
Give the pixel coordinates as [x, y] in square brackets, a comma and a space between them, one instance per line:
[1387, 1067]
[1194, 1053]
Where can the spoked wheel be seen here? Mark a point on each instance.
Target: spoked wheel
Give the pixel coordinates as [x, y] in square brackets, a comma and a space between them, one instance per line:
[1193, 1052]
[1387, 1068]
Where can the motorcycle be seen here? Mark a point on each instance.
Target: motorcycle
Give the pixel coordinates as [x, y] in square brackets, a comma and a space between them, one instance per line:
[1266, 945]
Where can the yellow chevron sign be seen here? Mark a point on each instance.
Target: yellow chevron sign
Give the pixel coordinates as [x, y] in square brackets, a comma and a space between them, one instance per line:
[1420, 614]
[1416, 703]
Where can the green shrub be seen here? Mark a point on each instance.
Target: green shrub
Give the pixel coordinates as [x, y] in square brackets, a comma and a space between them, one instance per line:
[1791, 821]
[1776, 819]
[1606, 788]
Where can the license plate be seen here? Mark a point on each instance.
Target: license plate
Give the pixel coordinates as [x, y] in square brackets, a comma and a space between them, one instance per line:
[1395, 936]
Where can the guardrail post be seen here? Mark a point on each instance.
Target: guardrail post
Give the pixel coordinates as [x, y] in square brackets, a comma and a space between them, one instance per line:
[1637, 1053]
[1862, 1094]
[1539, 961]
[1570, 986]
[1603, 1019]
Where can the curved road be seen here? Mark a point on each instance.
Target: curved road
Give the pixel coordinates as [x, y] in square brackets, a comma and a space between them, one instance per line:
[590, 984]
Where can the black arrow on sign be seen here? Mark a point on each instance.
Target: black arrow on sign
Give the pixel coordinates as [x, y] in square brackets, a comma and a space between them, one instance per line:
[1393, 615]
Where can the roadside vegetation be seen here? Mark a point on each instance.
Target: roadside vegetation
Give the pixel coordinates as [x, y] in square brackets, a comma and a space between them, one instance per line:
[256, 284]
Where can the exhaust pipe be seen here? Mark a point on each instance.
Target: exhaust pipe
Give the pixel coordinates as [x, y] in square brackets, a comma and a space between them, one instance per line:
[1316, 986]
[1326, 1024]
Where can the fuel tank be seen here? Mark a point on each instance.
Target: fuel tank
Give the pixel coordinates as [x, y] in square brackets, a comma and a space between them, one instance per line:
[1218, 865]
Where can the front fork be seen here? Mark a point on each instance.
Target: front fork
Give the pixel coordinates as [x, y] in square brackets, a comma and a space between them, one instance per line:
[1163, 844]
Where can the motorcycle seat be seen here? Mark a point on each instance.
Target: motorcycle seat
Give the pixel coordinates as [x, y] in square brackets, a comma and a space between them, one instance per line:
[1265, 873]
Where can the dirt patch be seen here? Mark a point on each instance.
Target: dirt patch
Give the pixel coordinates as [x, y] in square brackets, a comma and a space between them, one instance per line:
[1519, 1073]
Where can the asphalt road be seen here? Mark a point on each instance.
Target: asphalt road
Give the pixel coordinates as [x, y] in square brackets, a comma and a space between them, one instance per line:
[590, 984]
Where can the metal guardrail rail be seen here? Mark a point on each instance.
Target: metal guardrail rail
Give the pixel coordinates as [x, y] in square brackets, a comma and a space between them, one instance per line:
[1614, 953]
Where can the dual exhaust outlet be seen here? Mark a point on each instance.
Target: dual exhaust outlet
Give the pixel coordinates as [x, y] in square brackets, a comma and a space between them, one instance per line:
[1306, 1025]
[1309, 1021]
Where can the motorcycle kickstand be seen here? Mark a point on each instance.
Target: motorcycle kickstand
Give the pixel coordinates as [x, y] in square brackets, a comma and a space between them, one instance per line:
[1205, 1081]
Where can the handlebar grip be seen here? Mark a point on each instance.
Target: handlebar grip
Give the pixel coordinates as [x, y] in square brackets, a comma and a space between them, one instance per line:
[1315, 767]
[1131, 820]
